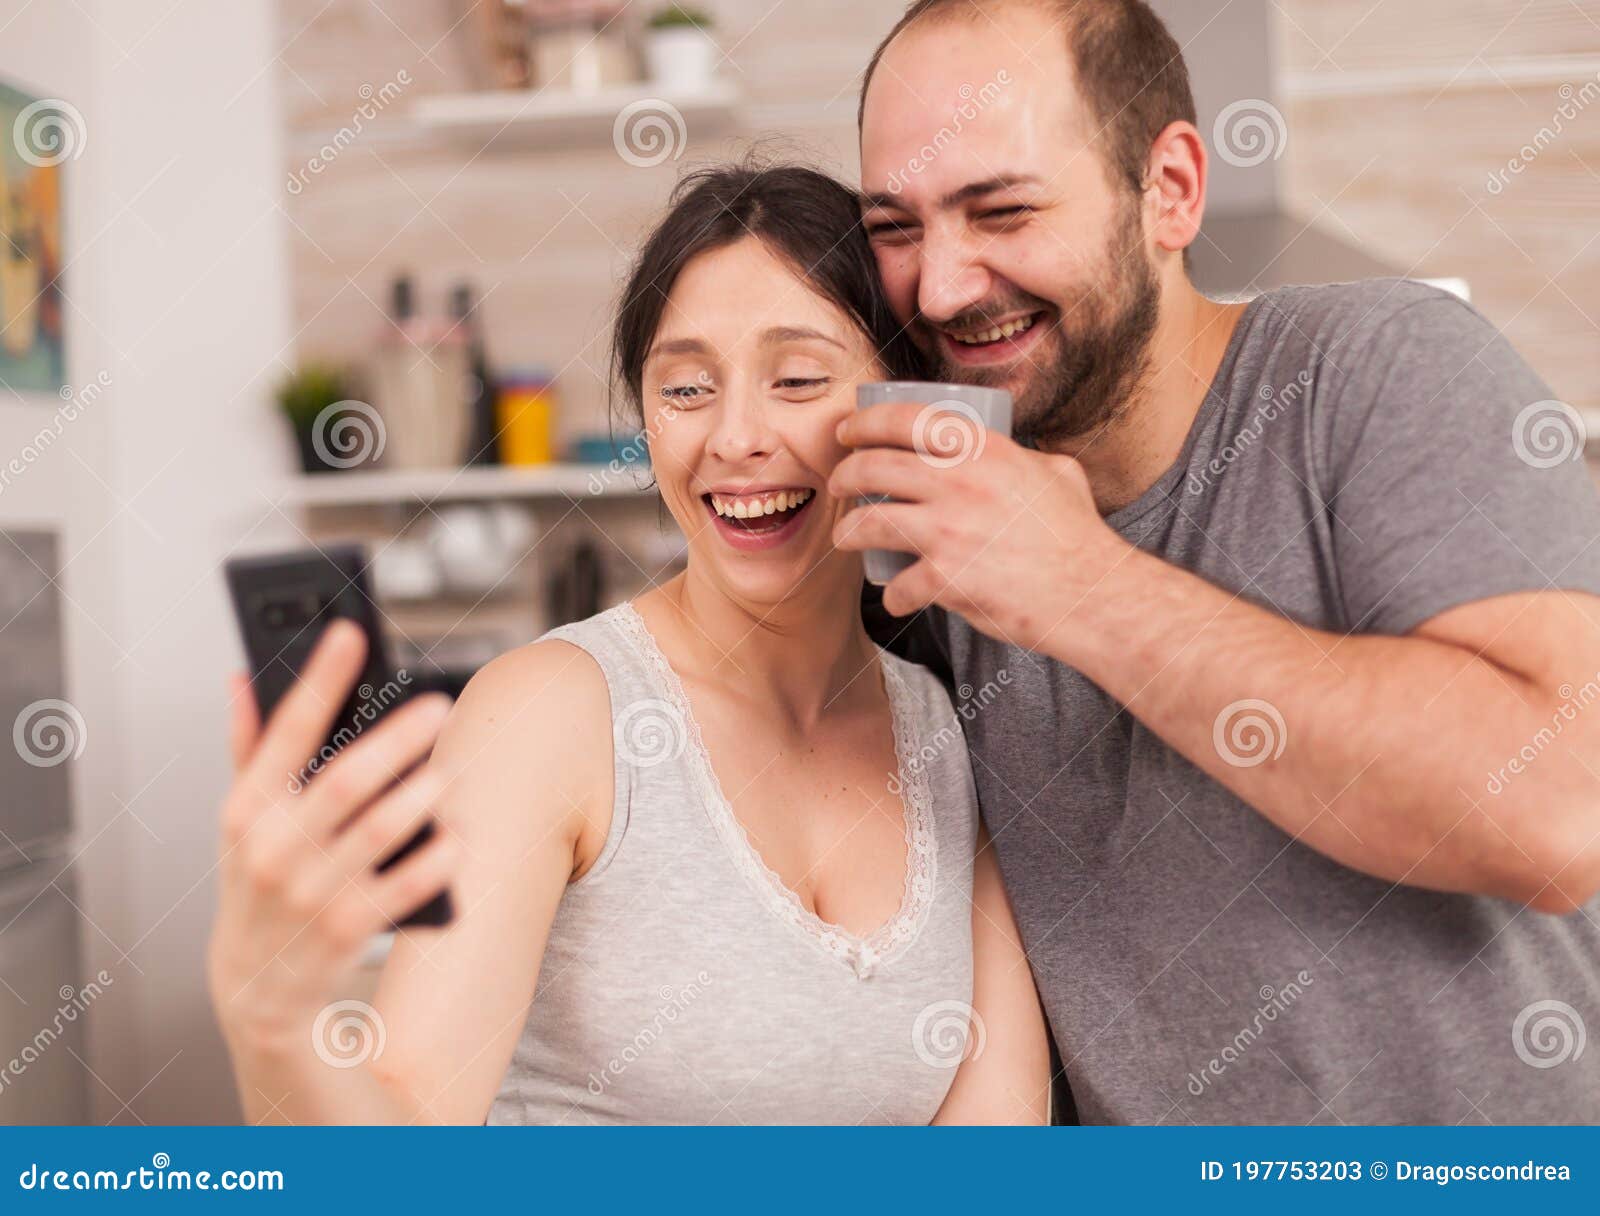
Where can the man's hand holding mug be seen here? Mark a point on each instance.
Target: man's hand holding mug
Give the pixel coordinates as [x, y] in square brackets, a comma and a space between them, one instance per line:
[959, 514]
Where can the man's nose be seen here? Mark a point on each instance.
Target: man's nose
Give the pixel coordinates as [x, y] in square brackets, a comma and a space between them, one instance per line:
[951, 279]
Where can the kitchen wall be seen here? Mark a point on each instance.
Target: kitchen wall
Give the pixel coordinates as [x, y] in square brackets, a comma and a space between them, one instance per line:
[548, 234]
[176, 295]
[64, 490]
[1460, 137]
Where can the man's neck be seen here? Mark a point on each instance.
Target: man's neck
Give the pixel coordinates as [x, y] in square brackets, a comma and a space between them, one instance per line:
[1127, 456]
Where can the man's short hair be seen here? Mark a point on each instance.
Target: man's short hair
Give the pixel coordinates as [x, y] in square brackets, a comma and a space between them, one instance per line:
[1130, 70]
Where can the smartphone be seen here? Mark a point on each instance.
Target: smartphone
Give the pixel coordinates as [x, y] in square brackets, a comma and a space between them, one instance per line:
[283, 601]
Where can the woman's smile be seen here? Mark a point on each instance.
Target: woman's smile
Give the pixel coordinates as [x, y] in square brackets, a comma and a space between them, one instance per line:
[760, 519]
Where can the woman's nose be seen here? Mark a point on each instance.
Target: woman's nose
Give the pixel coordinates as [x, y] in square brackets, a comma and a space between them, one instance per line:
[743, 429]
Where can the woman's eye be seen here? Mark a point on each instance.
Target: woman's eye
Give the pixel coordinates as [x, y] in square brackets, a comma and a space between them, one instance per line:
[800, 383]
[681, 392]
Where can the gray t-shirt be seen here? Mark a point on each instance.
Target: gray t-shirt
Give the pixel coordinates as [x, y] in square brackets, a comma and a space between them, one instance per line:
[1365, 459]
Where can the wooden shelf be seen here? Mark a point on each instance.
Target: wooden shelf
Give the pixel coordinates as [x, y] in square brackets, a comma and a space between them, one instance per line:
[551, 117]
[378, 487]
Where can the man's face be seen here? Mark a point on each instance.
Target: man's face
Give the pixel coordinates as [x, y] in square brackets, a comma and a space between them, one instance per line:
[1003, 246]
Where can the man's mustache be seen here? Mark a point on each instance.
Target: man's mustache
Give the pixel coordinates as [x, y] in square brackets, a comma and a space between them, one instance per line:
[987, 314]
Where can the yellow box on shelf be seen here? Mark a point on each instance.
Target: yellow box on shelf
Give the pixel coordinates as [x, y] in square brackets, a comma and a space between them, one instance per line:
[525, 408]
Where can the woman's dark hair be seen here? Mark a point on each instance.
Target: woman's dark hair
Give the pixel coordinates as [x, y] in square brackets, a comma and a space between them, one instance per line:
[805, 217]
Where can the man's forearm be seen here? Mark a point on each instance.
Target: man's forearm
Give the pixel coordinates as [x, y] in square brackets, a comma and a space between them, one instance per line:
[1370, 749]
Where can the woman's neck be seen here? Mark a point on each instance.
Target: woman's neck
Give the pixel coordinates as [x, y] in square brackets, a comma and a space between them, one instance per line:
[803, 654]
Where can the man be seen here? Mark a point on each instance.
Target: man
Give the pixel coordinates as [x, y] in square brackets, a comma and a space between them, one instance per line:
[1282, 614]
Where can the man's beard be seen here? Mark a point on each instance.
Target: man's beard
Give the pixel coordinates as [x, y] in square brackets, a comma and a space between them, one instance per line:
[1097, 368]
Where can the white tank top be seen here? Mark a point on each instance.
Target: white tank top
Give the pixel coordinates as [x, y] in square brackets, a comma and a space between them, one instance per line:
[684, 983]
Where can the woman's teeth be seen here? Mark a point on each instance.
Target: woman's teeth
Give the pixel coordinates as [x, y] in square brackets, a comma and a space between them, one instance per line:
[995, 333]
[748, 507]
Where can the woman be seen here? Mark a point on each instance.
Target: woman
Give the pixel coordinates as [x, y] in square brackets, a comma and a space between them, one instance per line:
[715, 856]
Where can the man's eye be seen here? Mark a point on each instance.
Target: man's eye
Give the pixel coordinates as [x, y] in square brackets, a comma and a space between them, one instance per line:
[888, 230]
[1002, 213]
[804, 382]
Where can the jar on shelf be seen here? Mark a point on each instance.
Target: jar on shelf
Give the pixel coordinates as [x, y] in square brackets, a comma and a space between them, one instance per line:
[525, 409]
[578, 45]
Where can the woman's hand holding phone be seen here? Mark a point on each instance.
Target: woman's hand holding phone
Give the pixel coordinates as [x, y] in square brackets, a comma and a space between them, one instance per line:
[300, 890]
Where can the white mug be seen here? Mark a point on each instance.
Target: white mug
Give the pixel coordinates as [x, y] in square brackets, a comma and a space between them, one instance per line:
[990, 408]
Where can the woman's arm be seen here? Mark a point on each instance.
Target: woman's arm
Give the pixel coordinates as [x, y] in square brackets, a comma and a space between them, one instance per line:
[515, 787]
[1007, 1079]
[529, 762]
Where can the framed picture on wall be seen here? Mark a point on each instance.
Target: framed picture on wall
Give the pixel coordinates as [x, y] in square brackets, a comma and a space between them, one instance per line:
[36, 136]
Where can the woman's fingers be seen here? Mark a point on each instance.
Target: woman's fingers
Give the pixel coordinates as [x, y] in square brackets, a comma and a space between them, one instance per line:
[300, 723]
[406, 886]
[388, 823]
[244, 720]
[378, 758]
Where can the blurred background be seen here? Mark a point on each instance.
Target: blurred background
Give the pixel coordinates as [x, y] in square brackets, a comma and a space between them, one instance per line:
[277, 272]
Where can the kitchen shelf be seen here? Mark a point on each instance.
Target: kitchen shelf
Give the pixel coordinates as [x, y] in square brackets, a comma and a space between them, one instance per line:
[550, 117]
[381, 486]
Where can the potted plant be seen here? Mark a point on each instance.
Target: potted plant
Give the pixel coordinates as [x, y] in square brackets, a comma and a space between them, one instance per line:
[679, 50]
[302, 397]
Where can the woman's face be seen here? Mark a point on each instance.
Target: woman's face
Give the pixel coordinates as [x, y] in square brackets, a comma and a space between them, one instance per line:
[749, 374]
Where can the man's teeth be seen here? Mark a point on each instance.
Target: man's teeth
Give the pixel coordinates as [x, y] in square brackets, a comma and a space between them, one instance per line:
[995, 333]
[764, 504]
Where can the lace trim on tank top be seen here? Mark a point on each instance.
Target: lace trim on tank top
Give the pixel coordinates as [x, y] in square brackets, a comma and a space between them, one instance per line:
[863, 955]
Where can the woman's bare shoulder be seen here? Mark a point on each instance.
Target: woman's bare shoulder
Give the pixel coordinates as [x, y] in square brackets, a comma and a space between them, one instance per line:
[533, 723]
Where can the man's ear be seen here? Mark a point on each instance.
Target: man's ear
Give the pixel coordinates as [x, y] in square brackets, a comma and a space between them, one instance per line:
[1175, 185]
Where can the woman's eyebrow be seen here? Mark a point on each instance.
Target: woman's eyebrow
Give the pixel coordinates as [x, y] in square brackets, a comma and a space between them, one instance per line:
[678, 346]
[797, 333]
